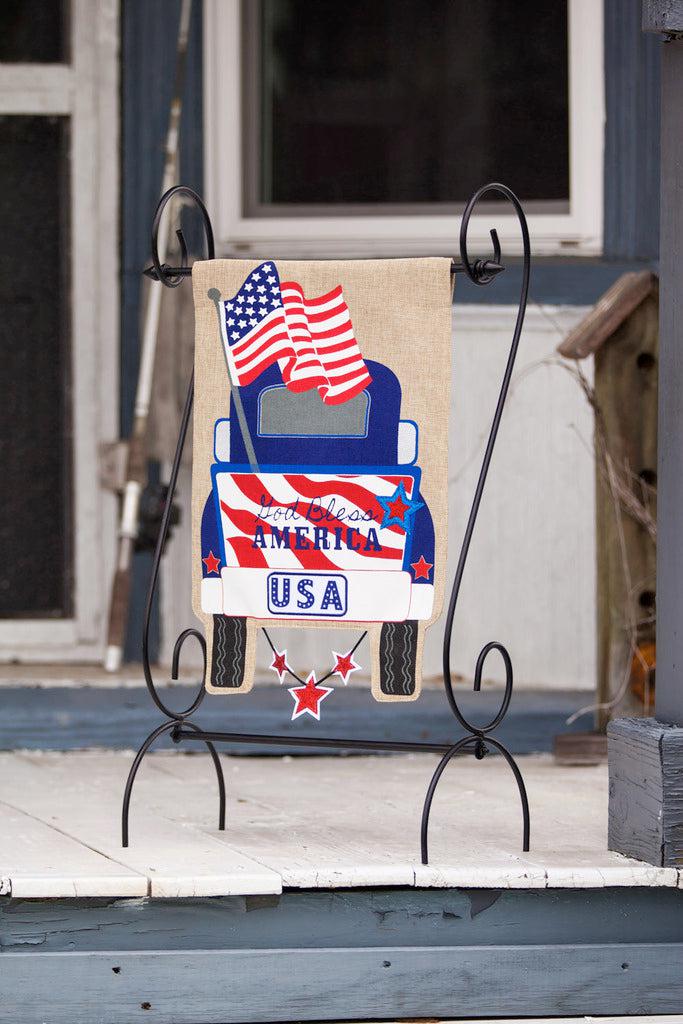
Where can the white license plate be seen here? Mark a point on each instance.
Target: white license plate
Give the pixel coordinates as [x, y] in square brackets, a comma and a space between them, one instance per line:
[299, 593]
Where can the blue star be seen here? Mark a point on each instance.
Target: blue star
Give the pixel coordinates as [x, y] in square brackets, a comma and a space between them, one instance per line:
[398, 508]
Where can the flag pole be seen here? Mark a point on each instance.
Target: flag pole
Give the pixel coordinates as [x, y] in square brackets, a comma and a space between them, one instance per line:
[215, 297]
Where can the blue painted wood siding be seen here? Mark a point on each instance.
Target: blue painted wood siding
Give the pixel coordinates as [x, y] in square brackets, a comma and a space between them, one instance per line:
[342, 955]
[632, 78]
[76, 717]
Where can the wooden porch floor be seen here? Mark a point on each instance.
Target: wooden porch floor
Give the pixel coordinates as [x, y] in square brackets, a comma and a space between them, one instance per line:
[299, 823]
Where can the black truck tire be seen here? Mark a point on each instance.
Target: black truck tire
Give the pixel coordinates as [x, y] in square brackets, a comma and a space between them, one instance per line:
[229, 651]
[397, 657]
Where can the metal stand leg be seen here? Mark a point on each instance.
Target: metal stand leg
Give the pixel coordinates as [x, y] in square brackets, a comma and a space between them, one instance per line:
[159, 731]
[217, 765]
[479, 752]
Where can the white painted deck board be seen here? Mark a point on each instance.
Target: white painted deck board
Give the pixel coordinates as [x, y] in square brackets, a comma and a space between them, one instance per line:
[80, 794]
[36, 860]
[311, 823]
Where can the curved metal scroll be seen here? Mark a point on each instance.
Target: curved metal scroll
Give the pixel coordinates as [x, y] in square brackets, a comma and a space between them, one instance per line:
[482, 272]
[171, 277]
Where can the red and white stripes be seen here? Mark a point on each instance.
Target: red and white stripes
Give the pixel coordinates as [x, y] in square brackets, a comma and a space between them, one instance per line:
[312, 339]
[311, 521]
[326, 354]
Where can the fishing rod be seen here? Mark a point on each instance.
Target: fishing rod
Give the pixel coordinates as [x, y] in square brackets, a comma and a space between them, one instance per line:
[136, 454]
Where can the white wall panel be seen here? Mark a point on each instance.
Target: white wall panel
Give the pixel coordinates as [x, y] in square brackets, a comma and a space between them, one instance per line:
[530, 579]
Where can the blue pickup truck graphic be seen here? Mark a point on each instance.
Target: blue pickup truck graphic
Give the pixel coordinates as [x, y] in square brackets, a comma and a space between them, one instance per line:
[330, 523]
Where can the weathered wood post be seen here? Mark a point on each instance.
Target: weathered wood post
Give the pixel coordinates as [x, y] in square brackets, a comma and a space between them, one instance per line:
[646, 755]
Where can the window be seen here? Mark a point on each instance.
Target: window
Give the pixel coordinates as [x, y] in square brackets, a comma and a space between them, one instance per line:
[363, 128]
[58, 335]
[34, 32]
[35, 441]
[285, 414]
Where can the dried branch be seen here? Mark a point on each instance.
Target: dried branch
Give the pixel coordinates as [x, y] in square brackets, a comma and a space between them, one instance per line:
[623, 486]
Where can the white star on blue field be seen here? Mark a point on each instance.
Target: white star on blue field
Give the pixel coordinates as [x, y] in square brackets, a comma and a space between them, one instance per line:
[258, 296]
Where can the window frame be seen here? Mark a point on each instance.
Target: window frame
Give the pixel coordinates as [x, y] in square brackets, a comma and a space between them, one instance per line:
[86, 91]
[575, 233]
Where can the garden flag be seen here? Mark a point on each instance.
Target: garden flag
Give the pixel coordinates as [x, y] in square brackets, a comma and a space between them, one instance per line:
[320, 464]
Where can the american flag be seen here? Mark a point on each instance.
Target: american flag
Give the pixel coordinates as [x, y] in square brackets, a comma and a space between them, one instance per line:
[312, 339]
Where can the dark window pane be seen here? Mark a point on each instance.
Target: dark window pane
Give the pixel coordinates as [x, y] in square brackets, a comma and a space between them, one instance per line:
[33, 31]
[35, 444]
[395, 101]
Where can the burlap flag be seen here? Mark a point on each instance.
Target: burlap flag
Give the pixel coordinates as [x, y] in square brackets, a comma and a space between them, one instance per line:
[320, 457]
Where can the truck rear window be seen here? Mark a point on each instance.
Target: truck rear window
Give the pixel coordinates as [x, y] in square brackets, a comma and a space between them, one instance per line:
[285, 414]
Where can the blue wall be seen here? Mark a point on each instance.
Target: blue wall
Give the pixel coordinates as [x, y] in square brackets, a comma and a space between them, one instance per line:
[632, 76]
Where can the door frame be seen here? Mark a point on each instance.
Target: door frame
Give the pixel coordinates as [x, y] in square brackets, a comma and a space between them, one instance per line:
[86, 90]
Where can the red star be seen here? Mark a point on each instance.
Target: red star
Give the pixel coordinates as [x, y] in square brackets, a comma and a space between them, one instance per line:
[398, 508]
[421, 568]
[307, 698]
[280, 664]
[211, 562]
[345, 666]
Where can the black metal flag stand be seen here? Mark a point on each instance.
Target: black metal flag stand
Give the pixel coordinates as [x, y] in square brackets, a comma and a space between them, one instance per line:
[478, 738]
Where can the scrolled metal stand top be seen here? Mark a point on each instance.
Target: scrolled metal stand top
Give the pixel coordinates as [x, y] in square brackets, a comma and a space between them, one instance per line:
[171, 277]
[479, 274]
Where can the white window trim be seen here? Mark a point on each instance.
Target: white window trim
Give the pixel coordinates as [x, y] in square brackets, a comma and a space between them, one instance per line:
[87, 91]
[578, 232]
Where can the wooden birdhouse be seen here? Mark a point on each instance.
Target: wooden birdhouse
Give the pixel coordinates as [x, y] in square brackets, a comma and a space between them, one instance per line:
[621, 333]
